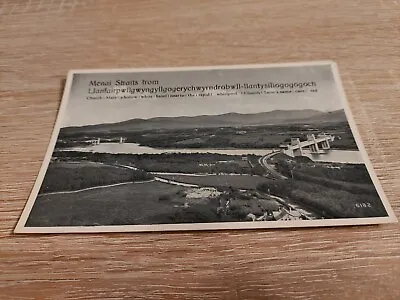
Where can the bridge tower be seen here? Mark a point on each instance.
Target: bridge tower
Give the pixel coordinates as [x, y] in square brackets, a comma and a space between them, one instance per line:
[325, 142]
[96, 141]
[296, 149]
[314, 146]
[326, 145]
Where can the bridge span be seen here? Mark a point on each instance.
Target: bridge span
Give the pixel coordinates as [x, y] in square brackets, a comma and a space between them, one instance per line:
[315, 144]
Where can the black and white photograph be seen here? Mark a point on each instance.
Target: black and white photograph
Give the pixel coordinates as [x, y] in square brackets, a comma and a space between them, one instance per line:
[227, 147]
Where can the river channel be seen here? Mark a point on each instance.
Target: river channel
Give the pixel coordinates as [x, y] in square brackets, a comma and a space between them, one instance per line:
[342, 156]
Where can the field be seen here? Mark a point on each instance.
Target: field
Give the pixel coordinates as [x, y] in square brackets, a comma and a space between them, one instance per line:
[335, 190]
[134, 203]
[153, 202]
[330, 190]
[74, 175]
[143, 203]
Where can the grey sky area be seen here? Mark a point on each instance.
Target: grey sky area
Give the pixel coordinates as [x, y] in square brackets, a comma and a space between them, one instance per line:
[81, 111]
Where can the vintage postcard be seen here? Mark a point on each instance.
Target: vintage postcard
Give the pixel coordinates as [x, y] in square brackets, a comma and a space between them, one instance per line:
[227, 147]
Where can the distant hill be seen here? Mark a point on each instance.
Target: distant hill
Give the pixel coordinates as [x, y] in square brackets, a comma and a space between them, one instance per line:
[276, 117]
[331, 117]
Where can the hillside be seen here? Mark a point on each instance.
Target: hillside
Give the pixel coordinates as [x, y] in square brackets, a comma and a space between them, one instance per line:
[275, 117]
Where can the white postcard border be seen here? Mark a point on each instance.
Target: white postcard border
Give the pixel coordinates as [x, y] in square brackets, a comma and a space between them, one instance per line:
[20, 227]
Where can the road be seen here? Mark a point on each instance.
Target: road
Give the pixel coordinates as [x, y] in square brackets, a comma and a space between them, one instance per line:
[96, 187]
[174, 182]
[270, 169]
[156, 178]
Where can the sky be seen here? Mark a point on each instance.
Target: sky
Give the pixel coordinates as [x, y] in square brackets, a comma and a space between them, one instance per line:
[80, 111]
